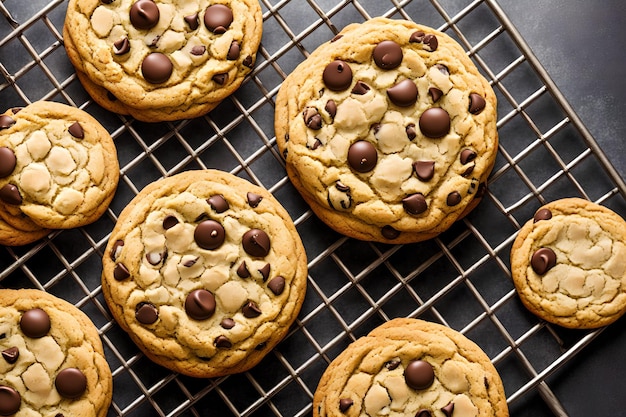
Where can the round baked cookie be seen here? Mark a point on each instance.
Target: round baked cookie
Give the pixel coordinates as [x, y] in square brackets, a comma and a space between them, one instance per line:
[52, 361]
[388, 130]
[58, 167]
[568, 264]
[205, 271]
[164, 59]
[10, 236]
[410, 367]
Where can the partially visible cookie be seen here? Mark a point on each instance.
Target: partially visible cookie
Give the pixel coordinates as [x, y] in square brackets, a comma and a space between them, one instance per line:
[388, 130]
[158, 60]
[10, 236]
[410, 367]
[58, 167]
[52, 360]
[568, 264]
[205, 271]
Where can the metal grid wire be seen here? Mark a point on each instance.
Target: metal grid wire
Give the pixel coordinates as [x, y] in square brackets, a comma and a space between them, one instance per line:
[460, 279]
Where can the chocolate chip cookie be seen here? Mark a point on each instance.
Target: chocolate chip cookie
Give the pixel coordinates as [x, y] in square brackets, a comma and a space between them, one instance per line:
[161, 60]
[58, 167]
[388, 130]
[205, 271]
[52, 360]
[568, 264]
[410, 367]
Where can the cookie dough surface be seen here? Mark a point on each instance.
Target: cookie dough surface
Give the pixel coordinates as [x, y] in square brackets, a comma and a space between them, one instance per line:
[568, 264]
[205, 271]
[410, 367]
[388, 130]
[52, 360]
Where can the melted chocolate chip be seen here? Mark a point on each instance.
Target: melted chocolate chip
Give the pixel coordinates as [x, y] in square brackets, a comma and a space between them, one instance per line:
[233, 51]
[419, 375]
[415, 204]
[424, 170]
[417, 37]
[256, 243]
[144, 14]
[403, 94]
[227, 323]
[337, 76]
[453, 198]
[248, 62]
[76, 130]
[35, 323]
[467, 155]
[341, 186]
[423, 413]
[316, 144]
[345, 404]
[360, 88]
[411, 133]
[388, 55]
[156, 68]
[543, 260]
[435, 93]
[392, 364]
[6, 121]
[362, 156]
[10, 401]
[389, 232]
[277, 285]
[251, 310]
[217, 18]
[155, 258]
[265, 271]
[120, 272]
[223, 342]
[430, 42]
[10, 194]
[198, 50]
[331, 108]
[448, 409]
[442, 69]
[7, 161]
[254, 199]
[192, 21]
[435, 122]
[542, 214]
[220, 78]
[209, 234]
[477, 103]
[169, 222]
[218, 203]
[121, 47]
[242, 271]
[190, 262]
[200, 304]
[11, 355]
[146, 313]
[312, 118]
[71, 383]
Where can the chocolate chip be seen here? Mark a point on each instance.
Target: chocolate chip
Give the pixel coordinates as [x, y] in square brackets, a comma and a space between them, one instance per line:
[156, 68]
[419, 375]
[345, 404]
[254, 199]
[260, 346]
[251, 310]
[218, 203]
[209, 234]
[192, 21]
[7, 161]
[423, 413]
[337, 75]
[388, 55]
[10, 194]
[477, 103]
[389, 232]
[403, 94]
[120, 272]
[362, 156]
[468, 171]
[242, 271]
[71, 383]
[424, 170]
[144, 14]
[392, 364]
[543, 260]
[220, 78]
[360, 88]
[415, 204]
[411, 133]
[35, 323]
[312, 118]
[11, 355]
[198, 50]
[467, 155]
[248, 62]
[121, 47]
[265, 271]
[453, 198]
[227, 323]
[430, 42]
[217, 18]
[435, 122]
[442, 69]
[435, 93]
[234, 51]
[107, 1]
[146, 313]
[6, 121]
[155, 258]
[10, 401]
[256, 243]
[169, 222]
[448, 409]
[542, 214]
[316, 144]
[200, 304]
[342, 187]
[417, 37]
[190, 262]
[223, 342]
[331, 108]
[277, 285]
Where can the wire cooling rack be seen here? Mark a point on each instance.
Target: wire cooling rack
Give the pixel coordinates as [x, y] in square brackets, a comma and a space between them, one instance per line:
[460, 279]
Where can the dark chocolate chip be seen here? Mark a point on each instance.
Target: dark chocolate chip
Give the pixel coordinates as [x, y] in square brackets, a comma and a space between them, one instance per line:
[362, 156]
[277, 285]
[467, 155]
[389, 232]
[251, 310]
[233, 51]
[223, 342]
[415, 204]
[156, 68]
[435, 122]
[200, 304]
[345, 404]
[419, 375]
[448, 409]
[388, 55]
[442, 69]
[209, 234]
[403, 94]
[11, 355]
[144, 14]
[411, 133]
[227, 323]
[248, 62]
[198, 50]
[189, 263]
[477, 103]
[337, 75]
[312, 118]
[169, 222]
[10, 194]
[254, 199]
[265, 271]
[10, 401]
[35, 323]
[7, 161]
[468, 171]
[542, 214]
[360, 88]
[107, 1]
[453, 198]
[256, 243]
[331, 108]
[155, 258]
[71, 383]
[121, 47]
[417, 37]
[342, 187]
[543, 260]
[316, 144]
[423, 413]
[6, 121]
[392, 364]
[221, 79]
[260, 346]
[217, 18]
[218, 203]
[146, 313]
[192, 21]
[242, 271]
[435, 93]
[76, 130]
[120, 272]
[430, 42]
[424, 170]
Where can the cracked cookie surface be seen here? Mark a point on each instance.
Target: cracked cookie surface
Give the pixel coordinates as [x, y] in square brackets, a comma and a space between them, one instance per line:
[568, 265]
[205, 271]
[410, 367]
[388, 131]
[52, 360]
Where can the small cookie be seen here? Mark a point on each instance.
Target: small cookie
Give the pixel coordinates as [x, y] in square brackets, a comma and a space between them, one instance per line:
[158, 60]
[568, 264]
[410, 367]
[388, 130]
[52, 361]
[205, 271]
[58, 167]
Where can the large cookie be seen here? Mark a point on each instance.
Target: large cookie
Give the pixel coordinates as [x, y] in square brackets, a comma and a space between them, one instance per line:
[52, 360]
[568, 264]
[205, 271]
[388, 130]
[410, 367]
[164, 59]
[58, 167]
